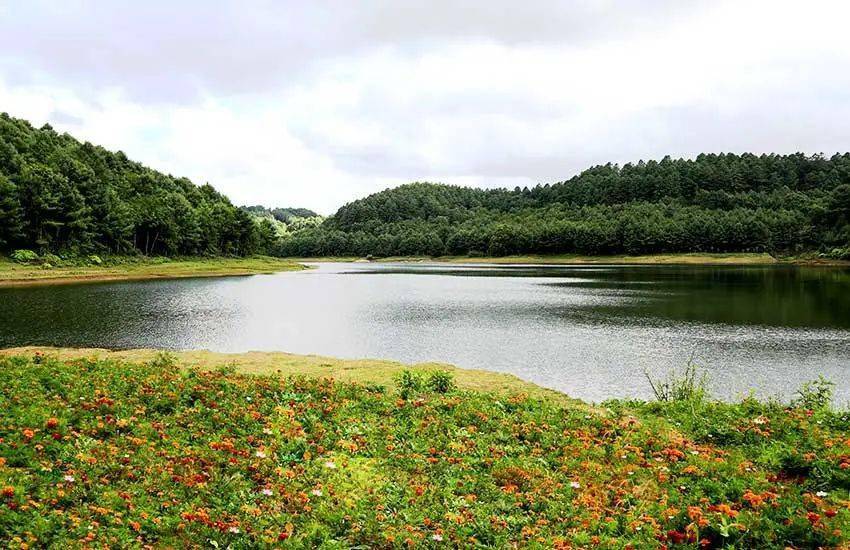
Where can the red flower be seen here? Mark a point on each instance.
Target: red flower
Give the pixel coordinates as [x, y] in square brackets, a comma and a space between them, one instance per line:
[813, 517]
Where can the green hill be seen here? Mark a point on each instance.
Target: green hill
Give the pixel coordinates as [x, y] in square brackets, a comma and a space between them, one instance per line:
[60, 195]
[714, 203]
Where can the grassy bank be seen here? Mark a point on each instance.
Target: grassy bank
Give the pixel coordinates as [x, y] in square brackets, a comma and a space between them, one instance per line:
[741, 258]
[120, 451]
[364, 371]
[121, 268]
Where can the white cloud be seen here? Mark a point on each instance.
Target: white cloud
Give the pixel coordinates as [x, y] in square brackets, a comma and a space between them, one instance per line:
[313, 107]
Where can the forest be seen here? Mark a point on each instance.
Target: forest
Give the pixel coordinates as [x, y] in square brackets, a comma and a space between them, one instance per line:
[780, 204]
[59, 195]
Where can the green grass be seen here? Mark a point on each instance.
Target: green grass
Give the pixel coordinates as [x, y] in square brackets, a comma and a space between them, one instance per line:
[114, 452]
[364, 371]
[132, 268]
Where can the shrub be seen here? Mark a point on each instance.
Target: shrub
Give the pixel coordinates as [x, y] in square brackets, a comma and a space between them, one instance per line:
[94, 259]
[409, 383]
[24, 256]
[839, 253]
[815, 395]
[49, 260]
[440, 381]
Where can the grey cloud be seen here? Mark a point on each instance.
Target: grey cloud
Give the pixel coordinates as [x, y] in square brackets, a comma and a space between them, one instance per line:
[61, 117]
[177, 51]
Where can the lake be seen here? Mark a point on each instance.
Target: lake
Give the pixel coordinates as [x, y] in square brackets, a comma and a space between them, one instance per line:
[590, 331]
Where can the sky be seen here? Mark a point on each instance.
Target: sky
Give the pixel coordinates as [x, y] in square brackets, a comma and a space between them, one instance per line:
[317, 103]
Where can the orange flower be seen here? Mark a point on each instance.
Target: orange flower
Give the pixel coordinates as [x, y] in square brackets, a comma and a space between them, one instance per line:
[52, 423]
[8, 491]
[28, 433]
[694, 512]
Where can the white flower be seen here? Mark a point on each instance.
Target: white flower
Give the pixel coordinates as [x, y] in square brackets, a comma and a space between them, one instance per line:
[317, 492]
[821, 494]
[234, 530]
[330, 465]
[267, 492]
[69, 478]
[260, 454]
[575, 484]
[437, 537]
[267, 431]
[248, 398]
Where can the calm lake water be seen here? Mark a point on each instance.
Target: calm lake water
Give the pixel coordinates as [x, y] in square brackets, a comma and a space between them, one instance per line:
[590, 331]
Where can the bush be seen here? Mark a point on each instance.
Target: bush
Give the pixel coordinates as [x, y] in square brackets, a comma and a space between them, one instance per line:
[440, 381]
[49, 260]
[815, 395]
[94, 259]
[24, 256]
[409, 383]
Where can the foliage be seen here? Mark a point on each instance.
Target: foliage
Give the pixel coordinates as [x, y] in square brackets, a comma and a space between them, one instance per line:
[283, 215]
[714, 203]
[690, 385]
[440, 381]
[101, 453]
[62, 196]
[412, 384]
[24, 256]
[816, 394]
[409, 383]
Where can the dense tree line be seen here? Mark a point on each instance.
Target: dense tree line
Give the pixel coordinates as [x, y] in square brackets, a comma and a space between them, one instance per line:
[60, 195]
[714, 203]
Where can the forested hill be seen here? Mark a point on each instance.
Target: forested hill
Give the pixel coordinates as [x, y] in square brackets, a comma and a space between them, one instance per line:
[60, 195]
[714, 203]
[283, 215]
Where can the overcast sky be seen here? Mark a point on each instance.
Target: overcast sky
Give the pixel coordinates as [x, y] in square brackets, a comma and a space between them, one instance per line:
[317, 103]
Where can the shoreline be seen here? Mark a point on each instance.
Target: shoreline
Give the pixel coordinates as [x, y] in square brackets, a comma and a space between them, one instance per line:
[693, 259]
[18, 275]
[281, 363]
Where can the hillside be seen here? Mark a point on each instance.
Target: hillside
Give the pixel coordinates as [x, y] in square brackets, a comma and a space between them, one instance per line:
[714, 203]
[111, 453]
[282, 221]
[63, 196]
[283, 215]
